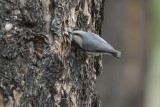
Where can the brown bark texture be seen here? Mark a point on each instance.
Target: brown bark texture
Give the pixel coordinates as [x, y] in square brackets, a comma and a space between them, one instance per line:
[39, 65]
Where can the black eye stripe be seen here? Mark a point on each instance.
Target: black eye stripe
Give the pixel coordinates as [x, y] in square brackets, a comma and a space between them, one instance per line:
[78, 34]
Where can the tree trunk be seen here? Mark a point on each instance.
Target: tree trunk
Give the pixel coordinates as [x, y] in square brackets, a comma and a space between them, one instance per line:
[39, 66]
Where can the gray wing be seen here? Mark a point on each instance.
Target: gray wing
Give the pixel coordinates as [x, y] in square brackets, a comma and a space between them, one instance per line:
[97, 45]
[97, 37]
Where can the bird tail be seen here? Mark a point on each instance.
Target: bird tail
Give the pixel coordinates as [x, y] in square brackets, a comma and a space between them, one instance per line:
[116, 54]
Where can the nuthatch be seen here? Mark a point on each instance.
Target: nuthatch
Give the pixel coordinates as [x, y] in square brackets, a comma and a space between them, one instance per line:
[93, 43]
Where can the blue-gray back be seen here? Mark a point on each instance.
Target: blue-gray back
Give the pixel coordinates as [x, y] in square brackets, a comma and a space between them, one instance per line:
[93, 42]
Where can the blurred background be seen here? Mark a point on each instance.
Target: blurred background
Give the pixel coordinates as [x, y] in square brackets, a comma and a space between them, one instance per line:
[133, 27]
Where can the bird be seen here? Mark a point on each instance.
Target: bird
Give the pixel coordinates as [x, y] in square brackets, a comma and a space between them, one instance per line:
[93, 44]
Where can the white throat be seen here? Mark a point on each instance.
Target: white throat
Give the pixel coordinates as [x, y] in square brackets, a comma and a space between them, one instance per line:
[78, 40]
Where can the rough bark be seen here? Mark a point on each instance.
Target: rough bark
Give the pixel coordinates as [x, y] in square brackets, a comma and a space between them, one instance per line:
[39, 66]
